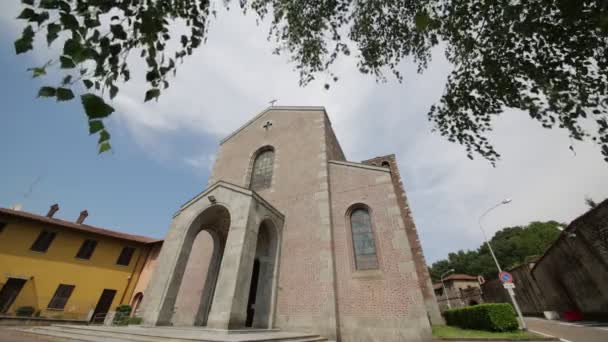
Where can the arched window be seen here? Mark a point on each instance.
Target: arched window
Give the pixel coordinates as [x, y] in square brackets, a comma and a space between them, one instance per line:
[363, 239]
[261, 174]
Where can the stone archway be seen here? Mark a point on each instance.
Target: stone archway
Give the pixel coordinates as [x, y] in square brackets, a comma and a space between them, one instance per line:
[233, 216]
[260, 306]
[216, 220]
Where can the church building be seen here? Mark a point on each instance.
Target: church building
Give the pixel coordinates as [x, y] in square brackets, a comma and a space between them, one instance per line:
[290, 235]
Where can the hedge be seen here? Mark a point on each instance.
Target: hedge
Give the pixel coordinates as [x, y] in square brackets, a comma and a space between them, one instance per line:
[123, 312]
[490, 317]
[25, 311]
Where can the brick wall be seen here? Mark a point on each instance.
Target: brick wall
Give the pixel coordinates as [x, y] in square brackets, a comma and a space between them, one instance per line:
[410, 228]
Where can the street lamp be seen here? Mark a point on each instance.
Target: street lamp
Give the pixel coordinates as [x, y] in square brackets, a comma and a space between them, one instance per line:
[511, 294]
[444, 290]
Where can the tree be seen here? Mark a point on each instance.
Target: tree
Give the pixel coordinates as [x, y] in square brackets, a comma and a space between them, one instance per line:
[512, 246]
[546, 57]
[590, 202]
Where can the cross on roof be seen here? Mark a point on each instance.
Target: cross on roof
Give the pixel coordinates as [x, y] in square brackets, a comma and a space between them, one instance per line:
[272, 102]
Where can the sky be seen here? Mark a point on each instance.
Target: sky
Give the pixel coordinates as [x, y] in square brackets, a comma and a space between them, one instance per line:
[163, 151]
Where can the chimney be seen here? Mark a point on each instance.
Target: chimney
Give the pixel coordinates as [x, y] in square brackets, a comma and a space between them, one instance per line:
[83, 215]
[52, 210]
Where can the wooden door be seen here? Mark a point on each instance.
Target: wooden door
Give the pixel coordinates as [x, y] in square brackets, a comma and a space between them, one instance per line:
[103, 305]
[9, 293]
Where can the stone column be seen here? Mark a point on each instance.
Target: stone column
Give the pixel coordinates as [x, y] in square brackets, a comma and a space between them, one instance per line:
[229, 307]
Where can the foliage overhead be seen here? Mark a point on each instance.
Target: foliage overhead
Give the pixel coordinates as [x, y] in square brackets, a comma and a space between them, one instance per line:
[546, 57]
[512, 246]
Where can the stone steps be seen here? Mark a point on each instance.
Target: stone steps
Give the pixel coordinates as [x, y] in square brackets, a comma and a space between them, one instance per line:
[166, 334]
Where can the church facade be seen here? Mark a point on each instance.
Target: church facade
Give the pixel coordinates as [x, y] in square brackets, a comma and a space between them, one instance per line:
[291, 235]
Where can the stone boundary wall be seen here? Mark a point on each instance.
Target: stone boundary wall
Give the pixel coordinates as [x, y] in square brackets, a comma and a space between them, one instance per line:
[572, 275]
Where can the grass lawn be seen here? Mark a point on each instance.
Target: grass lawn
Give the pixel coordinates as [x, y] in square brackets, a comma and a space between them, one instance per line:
[455, 332]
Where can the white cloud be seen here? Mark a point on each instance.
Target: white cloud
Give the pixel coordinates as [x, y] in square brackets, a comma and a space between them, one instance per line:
[234, 75]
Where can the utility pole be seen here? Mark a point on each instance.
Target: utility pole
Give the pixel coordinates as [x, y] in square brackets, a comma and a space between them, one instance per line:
[510, 291]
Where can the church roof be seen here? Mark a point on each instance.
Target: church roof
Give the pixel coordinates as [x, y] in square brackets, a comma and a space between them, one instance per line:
[277, 108]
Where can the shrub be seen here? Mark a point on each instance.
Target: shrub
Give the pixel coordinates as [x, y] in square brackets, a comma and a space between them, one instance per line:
[135, 320]
[123, 312]
[25, 311]
[490, 317]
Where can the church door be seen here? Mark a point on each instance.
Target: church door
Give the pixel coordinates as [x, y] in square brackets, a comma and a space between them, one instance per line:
[252, 293]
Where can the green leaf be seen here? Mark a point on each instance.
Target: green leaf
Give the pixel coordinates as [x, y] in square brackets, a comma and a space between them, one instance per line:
[28, 2]
[113, 91]
[104, 136]
[95, 126]
[67, 62]
[118, 32]
[152, 94]
[104, 147]
[66, 79]
[49, 4]
[69, 21]
[37, 72]
[87, 83]
[74, 49]
[422, 20]
[47, 92]
[27, 14]
[95, 107]
[23, 45]
[64, 94]
[52, 32]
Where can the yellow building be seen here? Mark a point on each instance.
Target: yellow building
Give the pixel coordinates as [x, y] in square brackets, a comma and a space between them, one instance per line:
[65, 269]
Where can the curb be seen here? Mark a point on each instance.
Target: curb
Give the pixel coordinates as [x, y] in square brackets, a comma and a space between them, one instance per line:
[494, 339]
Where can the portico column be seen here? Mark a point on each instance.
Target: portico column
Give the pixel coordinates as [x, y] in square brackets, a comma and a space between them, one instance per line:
[229, 307]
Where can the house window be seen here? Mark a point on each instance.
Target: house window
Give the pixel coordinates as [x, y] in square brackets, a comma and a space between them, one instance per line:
[43, 241]
[261, 175]
[363, 239]
[125, 256]
[61, 296]
[87, 249]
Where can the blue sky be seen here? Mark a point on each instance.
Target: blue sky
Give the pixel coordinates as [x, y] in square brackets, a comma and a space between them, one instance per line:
[162, 152]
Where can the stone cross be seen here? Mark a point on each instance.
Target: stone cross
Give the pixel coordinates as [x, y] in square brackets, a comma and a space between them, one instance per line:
[267, 125]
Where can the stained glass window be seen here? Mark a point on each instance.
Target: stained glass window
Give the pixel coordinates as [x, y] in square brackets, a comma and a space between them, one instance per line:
[363, 240]
[261, 176]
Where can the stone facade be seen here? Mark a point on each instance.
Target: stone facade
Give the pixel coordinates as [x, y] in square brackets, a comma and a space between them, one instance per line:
[458, 290]
[571, 276]
[303, 267]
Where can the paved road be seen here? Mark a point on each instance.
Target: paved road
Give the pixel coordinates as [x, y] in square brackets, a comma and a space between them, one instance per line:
[570, 332]
[9, 335]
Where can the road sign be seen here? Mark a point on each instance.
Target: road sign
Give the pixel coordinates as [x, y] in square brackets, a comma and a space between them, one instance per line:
[481, 279]
[508, 285]
[505, 277]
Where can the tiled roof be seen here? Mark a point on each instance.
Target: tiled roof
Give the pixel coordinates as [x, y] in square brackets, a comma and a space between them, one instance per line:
[77, 227]
[458, 276]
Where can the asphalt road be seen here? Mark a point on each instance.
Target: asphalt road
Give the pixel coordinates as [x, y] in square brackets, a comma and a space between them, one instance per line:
[570, 332]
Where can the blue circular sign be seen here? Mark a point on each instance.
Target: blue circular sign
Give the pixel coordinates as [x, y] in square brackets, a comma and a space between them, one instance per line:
[505, 277]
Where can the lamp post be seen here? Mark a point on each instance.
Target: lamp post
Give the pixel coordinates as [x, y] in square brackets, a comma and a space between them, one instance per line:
[447, 295]
[510, 291]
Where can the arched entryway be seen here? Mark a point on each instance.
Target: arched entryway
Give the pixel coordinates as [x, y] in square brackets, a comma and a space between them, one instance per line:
[198, 283]
[136, 302]
[214, 220]
[260, 305]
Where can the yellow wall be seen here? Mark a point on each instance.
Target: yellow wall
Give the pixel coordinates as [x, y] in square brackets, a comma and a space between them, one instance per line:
[59, 265]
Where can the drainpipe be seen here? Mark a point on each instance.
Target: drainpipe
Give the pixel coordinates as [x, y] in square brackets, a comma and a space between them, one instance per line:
[124, 293]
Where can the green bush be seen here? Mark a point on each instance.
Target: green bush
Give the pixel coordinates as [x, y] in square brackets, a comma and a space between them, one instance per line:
[489, 317]
[123, 312]
[135, 320]
[25, 311]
